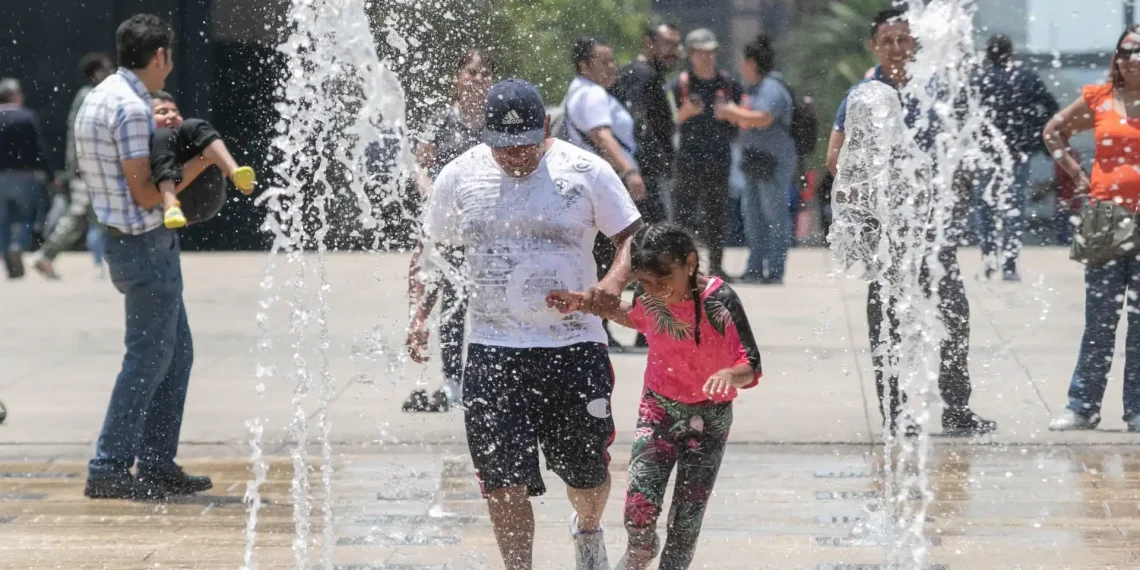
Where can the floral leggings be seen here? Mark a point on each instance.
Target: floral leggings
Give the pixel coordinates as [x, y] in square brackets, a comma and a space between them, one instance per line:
[692, 437]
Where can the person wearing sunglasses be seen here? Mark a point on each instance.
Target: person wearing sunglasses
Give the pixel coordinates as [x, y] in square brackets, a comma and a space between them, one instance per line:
[1112, 112]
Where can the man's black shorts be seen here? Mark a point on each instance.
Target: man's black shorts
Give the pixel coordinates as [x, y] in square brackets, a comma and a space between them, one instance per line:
[521, 399]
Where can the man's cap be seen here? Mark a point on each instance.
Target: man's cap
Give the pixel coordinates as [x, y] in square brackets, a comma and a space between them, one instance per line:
[701, 39]
[515, 115]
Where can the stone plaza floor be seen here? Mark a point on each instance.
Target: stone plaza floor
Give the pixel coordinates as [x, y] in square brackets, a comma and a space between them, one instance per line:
[803, 466]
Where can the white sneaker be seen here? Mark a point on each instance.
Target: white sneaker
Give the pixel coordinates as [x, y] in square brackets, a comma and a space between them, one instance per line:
[453, 390]
[1068, 420]
[590, 548]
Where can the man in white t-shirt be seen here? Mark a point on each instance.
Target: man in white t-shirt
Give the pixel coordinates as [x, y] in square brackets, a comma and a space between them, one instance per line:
[526, 209]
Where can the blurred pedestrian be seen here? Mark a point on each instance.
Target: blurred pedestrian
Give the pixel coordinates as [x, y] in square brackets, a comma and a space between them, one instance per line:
[23, 171]
[598, 122]
[704, 155]
[455, 130]
[1018, 105]
[1112, 195]
[95, 67]
[768, 161]
[640, 86]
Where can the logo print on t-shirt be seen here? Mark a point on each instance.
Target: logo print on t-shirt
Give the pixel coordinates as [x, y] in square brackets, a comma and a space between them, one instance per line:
[599, 408]
[568, 192]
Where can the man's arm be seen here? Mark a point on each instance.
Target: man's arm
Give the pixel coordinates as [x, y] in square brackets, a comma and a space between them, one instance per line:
[136, 171]
[618, 277]
[132, 133]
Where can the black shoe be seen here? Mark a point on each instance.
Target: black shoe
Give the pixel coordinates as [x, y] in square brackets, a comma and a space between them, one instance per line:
[641, 342]
[14, 263]
[963, 422]
[177, 482]
[123, 486]
[417, 402]
[3, 413]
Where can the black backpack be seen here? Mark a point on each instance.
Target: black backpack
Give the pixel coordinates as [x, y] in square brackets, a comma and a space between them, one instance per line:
[805, 125]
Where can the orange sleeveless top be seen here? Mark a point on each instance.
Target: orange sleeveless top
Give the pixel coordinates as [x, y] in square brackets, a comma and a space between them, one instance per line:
[1116, 165]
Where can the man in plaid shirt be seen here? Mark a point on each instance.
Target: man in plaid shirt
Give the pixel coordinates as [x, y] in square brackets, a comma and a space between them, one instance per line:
[112, 144]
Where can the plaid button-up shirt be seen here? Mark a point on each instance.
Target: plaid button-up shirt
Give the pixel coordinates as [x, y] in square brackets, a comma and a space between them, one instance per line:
[115, 124]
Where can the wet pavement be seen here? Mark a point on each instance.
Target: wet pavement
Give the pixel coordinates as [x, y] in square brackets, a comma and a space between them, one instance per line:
[773, 507]
[802, 466]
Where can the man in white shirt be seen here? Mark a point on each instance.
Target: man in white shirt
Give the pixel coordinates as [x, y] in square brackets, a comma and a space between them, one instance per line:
[526, 209]
[112, 146]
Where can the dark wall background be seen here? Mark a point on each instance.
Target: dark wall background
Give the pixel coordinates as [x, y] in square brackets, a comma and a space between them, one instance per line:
[229, 84]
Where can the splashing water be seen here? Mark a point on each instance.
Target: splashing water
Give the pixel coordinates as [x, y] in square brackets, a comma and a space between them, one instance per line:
[895, 210]
[337, 99]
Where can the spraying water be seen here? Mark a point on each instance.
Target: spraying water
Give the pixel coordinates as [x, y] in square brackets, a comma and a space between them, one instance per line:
[337, 99]
[896, 196]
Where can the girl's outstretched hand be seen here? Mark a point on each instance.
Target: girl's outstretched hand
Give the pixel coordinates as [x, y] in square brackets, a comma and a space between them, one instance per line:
[565, 302]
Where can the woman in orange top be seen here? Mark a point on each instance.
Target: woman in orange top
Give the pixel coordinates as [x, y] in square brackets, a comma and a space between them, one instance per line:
[1112, 111]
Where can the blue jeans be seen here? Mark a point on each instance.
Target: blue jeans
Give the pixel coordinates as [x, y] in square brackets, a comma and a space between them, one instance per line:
[768, 223]
[144, 417]
[19, 193]
[96, 241]
[1106, 288]
[1004, 204]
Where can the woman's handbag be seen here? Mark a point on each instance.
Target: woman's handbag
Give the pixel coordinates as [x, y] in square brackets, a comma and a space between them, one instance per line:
[1106, 231]
[757, 164]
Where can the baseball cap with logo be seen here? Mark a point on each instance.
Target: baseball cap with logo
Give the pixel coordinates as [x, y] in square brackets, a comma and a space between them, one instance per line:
[516, 115]
[701, 39]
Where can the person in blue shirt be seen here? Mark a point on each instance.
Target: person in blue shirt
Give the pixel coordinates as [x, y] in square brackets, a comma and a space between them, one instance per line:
[768, 162]
[893, 45]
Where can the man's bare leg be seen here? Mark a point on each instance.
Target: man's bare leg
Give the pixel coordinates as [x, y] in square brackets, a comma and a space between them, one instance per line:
[590, 504]
[513, 520]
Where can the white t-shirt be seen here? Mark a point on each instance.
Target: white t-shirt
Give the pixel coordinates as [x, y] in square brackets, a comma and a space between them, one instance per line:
[524, 237]
[589, 106]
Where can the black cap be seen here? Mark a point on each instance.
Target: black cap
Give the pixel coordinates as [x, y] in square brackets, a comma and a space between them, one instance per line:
[516, 115]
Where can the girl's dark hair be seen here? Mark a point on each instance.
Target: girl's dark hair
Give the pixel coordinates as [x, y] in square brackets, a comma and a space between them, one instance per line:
[583, 51]
[484, 56]
[760, 52]
[1114, 68]
[656, 248]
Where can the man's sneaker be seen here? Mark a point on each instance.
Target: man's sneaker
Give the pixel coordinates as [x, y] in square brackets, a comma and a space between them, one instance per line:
[1069, 420]
[589, 548]
[123, 486]
[1134, 424]
[963, 422]
[419, 401]
[1011, 276]
[177, 482]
